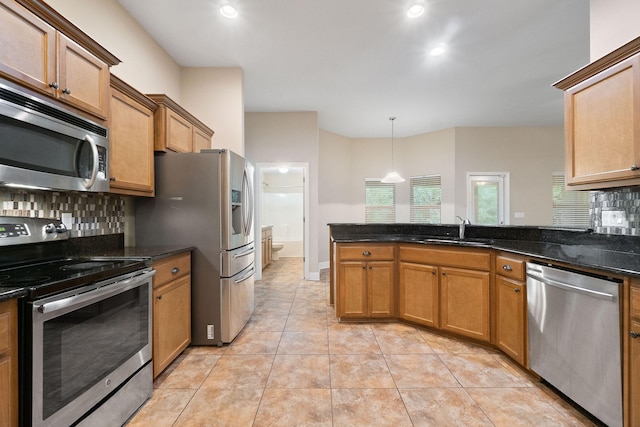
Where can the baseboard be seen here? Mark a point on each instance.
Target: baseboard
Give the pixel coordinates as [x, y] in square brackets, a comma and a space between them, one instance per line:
[323, 265]
[314, 276]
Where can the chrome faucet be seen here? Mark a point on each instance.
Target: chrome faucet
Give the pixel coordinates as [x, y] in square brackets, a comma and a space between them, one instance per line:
[463, 225]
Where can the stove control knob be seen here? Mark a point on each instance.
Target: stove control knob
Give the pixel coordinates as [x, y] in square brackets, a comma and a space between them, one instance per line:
[61, 228]
[49, 228]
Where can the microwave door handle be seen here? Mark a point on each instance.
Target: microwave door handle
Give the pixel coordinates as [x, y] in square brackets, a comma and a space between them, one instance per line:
[88, 183]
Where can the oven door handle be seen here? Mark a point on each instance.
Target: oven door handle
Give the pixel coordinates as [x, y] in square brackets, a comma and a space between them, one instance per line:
[109, 289]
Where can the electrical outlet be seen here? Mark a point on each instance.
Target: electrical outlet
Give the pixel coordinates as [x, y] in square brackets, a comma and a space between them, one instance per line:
[518, 214]
[614, 219]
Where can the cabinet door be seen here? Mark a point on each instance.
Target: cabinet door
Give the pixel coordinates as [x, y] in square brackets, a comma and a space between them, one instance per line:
[171, 322]
[418, 293]
[201, 141]
[8, 363]
[634, 380]
[352, 289]
[28, 48]
[601, 125]
[510, 318]
[179, 133]
[131, 146]
[465, 302]
[83, 78]
[380, 278]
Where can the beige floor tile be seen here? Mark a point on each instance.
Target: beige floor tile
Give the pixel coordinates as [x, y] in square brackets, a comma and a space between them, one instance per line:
[266, 322]
[205, 350]
[240, 371]
[443, 407]
[481, 370]
[445, 344]
[305, 323]
[189, 372]
[304, 343]
[163, 408]
[360, 371]
[401, 342]
[299, 407]
[514, 407]
[300, 371]
[353, 341]
[419, 371]
[212, 407]
[255, 342]
[368, 407]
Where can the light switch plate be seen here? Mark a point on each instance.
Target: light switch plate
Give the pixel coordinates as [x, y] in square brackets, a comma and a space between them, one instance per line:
[614, 219]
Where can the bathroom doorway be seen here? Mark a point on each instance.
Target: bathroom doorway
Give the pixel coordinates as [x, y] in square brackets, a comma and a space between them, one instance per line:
[281, 203]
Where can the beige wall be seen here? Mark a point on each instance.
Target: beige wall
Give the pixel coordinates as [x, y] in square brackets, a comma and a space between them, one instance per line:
[612, 24]
[216, 97]
[530, 155]
[293, 138]
[145, 65]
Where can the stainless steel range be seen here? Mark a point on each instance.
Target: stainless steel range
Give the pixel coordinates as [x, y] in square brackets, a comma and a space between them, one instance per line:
[85, 328]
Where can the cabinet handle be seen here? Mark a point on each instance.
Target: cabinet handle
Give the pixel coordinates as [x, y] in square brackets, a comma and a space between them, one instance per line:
[364, 267]
[112, 178]
[634, 167]
[507, 267]
[66, 91]
[444, 274]
[159, 297]
[433, 272]
[54, 85]
[175, 270]
[366, 253]
[370, 267]
[517, 290]
[634, 334]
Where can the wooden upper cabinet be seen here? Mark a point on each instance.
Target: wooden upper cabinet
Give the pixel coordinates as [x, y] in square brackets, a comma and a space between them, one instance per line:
[602, 121]
[178, 130]
[83, 80]
[43, 51]
[131, 140]
[28, 48]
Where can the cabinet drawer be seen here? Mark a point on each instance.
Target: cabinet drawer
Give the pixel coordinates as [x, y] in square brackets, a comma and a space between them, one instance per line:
[366, 252]
[510, 267]
[468, 258]
[171, 268]
[635, 302]
[5, 343]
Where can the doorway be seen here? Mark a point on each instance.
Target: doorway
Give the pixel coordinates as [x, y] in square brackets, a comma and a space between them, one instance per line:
[281, 202]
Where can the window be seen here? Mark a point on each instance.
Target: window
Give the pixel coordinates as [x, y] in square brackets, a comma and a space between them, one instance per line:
[380, 202]
[487, 198]
[570, 208]
[426, 198]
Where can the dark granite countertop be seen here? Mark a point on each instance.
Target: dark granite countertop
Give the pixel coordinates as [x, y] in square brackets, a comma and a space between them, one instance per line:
[579, 247]
[153, 253]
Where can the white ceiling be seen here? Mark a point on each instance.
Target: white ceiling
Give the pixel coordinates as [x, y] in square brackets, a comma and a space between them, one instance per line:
[358, 62]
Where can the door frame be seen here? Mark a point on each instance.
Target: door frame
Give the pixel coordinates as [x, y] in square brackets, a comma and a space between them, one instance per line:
[503, 202]
[258, 212]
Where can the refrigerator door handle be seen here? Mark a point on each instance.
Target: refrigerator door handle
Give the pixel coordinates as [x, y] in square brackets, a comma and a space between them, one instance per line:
[247, 205]
[245, 253]
[245, 276]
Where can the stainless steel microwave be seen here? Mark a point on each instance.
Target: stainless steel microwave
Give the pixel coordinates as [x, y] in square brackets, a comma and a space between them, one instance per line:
[43, 146]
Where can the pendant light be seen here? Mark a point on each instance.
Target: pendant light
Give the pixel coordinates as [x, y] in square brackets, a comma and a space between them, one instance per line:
[393, 176]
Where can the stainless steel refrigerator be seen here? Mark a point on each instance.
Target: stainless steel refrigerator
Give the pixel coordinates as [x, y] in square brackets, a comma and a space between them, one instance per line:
[205, 200]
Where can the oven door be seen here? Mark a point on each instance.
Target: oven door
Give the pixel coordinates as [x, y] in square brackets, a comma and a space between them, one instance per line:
[86, 344]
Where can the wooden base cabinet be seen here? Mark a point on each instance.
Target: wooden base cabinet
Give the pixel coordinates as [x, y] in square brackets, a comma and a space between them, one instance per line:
[267, 245]
[634, 356]
[419, 294]
[510, 307]
[465, 302]
[171, 310]
[446, 288]
[9, 363]
[366, 281]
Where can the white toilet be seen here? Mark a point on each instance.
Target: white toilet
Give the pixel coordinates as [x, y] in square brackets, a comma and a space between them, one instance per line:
[275, 248]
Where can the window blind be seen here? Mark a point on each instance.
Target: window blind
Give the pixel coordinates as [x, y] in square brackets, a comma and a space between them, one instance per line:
[380, 202]
[570, 208]
[425, 199]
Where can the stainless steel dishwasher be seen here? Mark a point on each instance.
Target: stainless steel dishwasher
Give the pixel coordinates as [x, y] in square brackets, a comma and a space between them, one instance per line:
[574, 337]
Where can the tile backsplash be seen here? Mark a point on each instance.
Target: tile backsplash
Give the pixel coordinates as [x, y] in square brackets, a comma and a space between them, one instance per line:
[91, 214]
[626, 200]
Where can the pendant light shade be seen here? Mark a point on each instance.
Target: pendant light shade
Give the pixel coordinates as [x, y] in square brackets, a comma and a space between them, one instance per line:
[393, 176]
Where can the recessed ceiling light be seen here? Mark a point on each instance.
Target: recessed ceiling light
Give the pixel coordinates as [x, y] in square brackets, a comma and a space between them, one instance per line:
[438, 50]
[229, 11]
[415, 11]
